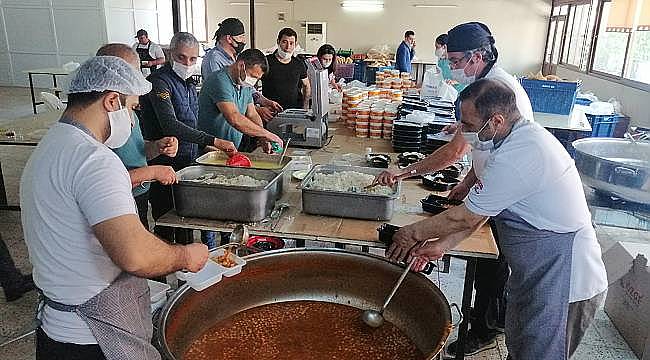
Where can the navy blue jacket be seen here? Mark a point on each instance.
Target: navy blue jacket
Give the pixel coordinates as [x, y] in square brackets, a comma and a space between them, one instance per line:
[171, 109]
[403, 58]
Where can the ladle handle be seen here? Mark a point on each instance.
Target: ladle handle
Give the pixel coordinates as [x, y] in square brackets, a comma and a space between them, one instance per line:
[399, 282]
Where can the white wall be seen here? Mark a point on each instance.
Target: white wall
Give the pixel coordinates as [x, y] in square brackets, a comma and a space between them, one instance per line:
[125, 17]
[519, 26]
[47, 33]
[634, 101]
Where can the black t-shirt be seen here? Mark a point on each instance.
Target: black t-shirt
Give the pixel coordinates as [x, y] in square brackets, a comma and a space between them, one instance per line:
[283, 82]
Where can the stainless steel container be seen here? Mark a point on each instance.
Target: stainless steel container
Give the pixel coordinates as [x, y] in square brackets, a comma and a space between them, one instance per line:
[221, 202]
[616, 166]
[260, 161]
[347, 204]
[419, 309]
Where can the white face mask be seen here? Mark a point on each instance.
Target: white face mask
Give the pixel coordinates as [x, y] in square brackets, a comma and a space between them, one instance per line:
[250, 80]
[283, 54]
[473, 140]
[440, 52]
[120, 126]
[183, 71]
[460, 76]
[326, 64]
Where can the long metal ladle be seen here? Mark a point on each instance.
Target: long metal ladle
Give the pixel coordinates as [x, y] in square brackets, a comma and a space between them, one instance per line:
[374, 318]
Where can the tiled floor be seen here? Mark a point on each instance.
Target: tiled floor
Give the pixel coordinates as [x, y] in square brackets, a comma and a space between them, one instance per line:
[602, 340]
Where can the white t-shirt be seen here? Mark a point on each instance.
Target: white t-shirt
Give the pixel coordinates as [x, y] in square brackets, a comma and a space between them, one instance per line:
[523, 102]
[70, 183]
[479, 158]
[533, 176]
[155, 50]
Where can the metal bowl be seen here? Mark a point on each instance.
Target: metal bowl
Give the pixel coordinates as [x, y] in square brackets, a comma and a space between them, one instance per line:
[617, 166]
[419, 309]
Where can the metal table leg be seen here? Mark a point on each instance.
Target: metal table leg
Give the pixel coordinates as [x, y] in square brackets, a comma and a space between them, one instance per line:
[31, 90]
[468, 288]
[3, 195]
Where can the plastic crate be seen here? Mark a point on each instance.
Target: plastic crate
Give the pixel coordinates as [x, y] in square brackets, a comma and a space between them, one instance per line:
[371, 72]
[359, 70]
[567, 137]
[608, 125]
[345, 71]
[555, 97]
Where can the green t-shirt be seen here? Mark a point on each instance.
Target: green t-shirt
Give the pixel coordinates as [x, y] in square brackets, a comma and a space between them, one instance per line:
[132, 153]
[220, 87]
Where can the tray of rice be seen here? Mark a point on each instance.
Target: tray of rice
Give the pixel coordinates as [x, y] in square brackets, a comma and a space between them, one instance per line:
[342, 191]
[226, 193]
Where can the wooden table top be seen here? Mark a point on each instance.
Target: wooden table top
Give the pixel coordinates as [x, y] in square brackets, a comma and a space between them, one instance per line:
[295, 224]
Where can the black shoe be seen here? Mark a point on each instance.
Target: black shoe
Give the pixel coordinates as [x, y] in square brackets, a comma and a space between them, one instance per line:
[474, 344]
[15, 293]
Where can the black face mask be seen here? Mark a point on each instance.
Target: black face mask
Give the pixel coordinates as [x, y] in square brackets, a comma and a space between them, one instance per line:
[238, 46]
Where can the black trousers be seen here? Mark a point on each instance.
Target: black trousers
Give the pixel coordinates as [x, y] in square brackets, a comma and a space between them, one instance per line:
[142, 203]
[48, 349]
[162, 201]
[490, 284]
[10, 276]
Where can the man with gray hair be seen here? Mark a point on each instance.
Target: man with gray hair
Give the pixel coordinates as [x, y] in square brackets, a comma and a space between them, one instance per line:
[531, 187]
[89, 251]
[136, 151]
[171, 109]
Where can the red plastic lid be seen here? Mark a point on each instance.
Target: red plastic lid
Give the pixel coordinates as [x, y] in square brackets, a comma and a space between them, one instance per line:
[239, 160]
[273, 242]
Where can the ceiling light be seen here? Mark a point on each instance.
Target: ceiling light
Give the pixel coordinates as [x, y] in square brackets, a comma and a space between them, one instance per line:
[361, 5]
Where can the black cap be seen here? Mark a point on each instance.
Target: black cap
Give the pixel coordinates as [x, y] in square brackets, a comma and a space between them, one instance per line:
[468, 36]
[230, 26]
[141, 32]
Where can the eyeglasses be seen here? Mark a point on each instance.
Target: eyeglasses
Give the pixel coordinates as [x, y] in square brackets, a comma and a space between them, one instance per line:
[455, 61]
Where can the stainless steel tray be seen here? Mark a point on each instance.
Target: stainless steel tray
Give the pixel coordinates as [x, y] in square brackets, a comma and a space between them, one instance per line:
[222, 202]
[347, 204]
[219, 158]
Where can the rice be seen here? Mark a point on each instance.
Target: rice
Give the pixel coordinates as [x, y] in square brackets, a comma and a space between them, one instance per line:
[239, 180]
[348, 181]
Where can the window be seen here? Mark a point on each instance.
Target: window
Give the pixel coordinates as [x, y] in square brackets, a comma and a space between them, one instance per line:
[193, 18]
[604, 37]
[578, 35]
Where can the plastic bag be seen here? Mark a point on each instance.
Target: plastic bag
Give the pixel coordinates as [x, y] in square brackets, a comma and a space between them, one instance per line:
[431, 83]
[447, 92]
[617, 105]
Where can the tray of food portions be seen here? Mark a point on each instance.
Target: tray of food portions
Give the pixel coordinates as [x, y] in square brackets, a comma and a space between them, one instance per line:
[226, 193]
[346, 191]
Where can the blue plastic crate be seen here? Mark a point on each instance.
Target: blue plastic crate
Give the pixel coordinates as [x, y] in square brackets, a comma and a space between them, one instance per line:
[371, 72]
[608, 125]
[555, 97]
[360, 70]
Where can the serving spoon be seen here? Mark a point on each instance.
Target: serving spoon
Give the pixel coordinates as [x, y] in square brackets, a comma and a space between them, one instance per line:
[374, 318]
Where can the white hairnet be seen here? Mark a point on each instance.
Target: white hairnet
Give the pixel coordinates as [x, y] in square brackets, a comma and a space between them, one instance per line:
[108, 73]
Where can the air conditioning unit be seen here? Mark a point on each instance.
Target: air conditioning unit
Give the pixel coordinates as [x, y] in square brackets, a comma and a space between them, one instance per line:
[315, 36]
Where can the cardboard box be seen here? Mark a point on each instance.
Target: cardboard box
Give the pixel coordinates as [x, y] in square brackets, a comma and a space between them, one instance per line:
[628, 298]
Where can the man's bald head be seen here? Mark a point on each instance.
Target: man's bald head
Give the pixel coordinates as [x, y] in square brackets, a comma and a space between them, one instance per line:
[122, 51]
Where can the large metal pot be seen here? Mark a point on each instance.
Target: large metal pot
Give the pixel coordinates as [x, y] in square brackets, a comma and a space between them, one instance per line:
[419, 308]
[617, 166]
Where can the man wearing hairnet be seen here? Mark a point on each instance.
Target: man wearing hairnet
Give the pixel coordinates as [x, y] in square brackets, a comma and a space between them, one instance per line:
[472, 55]
[89, 250]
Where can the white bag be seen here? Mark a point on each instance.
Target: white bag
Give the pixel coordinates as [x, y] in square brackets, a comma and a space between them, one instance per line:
[447, 92]
[431, 82]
